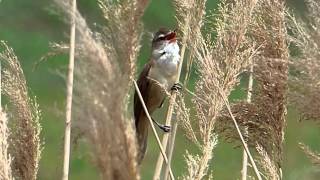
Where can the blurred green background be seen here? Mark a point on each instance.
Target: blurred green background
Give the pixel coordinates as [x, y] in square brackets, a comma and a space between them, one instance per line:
[30, 25]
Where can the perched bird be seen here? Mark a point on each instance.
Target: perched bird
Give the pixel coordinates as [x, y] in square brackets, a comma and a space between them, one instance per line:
[157, 77]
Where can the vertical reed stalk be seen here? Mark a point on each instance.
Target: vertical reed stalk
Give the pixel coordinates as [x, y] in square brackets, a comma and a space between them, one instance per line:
[170, 148]
[249, 95]
[175, 123]
[67, 135]
[172, 101]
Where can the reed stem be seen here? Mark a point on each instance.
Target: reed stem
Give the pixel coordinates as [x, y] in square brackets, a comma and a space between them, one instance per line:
[172, 101]
[67, 135]
[249, 95]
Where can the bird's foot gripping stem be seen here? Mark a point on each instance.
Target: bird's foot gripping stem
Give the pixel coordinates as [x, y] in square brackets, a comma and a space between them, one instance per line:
[163, 127]
[176, 87]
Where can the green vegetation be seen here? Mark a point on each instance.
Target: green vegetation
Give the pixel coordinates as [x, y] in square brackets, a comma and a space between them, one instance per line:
[30, 26]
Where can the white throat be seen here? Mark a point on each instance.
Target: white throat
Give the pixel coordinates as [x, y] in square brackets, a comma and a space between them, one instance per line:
[166, 64]
[167, 57]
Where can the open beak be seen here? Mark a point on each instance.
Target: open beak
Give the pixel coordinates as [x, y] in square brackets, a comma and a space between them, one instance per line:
[171, 37]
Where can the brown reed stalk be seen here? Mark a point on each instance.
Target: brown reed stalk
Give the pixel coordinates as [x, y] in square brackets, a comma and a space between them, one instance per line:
[219, 65]
[189, 14]
[5, 157]
[103, 76]
[265, 116]
[67, 135]
[25, 144]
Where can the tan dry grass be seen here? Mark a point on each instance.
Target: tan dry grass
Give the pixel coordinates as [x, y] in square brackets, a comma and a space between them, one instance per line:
[305, 80]
[304, 84]
[25, 144]
[219, 65]
[313, 156]
[5, 158]
[103, 75]
[269, 168]
[265, 117]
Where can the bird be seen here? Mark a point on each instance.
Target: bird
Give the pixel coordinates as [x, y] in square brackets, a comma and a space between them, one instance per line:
[156, 79]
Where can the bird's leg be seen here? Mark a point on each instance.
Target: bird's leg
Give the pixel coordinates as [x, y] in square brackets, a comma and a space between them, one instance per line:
[176, 87]
[164, 128]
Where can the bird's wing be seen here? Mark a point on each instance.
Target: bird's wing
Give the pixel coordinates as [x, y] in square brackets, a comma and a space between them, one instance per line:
[143, 84]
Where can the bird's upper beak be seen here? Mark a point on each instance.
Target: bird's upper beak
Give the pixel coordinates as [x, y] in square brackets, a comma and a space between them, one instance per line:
[171, 37]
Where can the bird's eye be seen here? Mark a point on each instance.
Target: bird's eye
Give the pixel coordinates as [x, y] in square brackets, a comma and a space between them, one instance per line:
[163, 53]
[161, 38]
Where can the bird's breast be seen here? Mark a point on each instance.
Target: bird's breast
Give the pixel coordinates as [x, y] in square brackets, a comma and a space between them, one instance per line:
[165, 73]
[165, 67]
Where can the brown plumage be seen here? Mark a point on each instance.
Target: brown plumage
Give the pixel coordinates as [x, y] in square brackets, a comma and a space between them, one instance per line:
[153, 95]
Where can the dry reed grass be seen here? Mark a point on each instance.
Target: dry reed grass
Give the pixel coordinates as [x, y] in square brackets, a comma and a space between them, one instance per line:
[265, 117]
[5, 157]
[103, 76]
[219, 65]
[304, 84]
[269, 168]
[25, 144]
[313, 156]
[245, 30]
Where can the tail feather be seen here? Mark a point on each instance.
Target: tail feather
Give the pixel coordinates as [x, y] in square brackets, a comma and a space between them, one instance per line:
[142, 136]
[141, 120]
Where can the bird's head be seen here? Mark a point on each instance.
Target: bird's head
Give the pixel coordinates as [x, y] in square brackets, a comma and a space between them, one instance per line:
[164, 42]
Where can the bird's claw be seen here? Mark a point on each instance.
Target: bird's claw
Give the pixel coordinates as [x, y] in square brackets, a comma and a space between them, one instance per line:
[176, 87]
[166, 128]
[163, 127]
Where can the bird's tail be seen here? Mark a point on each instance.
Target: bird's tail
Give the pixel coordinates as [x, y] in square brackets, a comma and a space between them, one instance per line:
[142, 135]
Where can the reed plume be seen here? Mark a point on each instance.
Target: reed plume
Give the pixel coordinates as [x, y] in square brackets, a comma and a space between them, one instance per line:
[270, 170]
[219, 65]
[25, 144]
[103, 72]
[313, 156]
[5, 157]
[304, 85]
[265, 117]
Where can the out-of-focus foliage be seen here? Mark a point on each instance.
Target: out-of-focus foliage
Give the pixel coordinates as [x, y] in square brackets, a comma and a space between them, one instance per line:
[29, 27]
